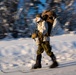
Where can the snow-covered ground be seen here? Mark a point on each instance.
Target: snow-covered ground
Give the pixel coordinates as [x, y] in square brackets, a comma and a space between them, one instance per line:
[21, 53]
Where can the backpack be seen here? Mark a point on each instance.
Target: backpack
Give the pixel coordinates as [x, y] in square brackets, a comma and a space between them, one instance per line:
[49, 16]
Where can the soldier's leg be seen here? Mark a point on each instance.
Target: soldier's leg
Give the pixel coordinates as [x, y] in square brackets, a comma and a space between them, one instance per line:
[48, 50]
[38, 57]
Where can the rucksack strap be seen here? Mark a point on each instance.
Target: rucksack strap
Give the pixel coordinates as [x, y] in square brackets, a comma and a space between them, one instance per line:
[49, 28]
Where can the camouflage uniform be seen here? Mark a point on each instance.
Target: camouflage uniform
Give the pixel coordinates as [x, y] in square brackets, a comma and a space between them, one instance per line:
[43, 40]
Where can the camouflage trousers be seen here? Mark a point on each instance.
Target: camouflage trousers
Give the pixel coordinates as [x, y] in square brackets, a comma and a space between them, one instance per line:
[44, 46]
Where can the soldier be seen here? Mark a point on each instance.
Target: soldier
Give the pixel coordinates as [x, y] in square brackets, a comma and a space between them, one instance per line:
[42, 39]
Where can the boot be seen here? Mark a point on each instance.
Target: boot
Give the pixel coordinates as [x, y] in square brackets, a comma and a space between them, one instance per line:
[55, 63]
[38, 62]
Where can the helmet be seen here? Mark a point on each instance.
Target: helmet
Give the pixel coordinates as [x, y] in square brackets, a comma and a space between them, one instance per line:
[38, 15]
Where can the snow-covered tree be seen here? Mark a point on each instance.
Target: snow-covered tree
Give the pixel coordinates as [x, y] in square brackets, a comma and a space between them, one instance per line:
[14, 13]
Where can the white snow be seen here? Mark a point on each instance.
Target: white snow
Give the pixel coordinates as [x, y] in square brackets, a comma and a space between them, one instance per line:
[21, 53]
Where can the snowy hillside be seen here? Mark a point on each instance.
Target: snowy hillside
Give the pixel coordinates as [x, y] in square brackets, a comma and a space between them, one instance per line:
[18, 54]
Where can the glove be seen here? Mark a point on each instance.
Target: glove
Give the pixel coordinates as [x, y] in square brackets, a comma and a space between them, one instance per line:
[34, 35]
